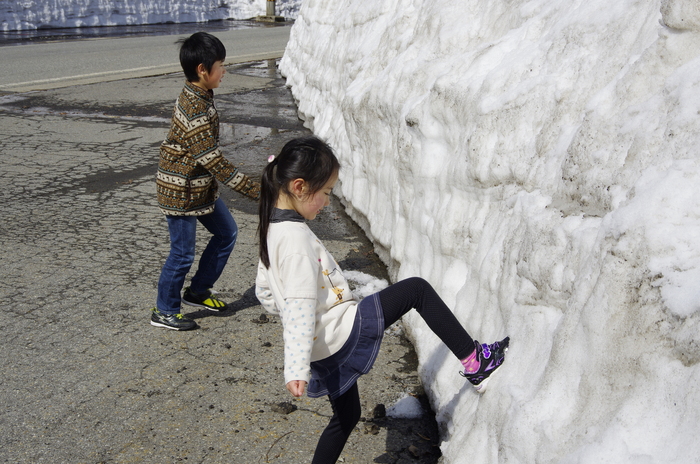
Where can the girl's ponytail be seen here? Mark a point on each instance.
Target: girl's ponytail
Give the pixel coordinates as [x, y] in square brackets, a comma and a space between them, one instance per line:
[269, 192]
[307, 158]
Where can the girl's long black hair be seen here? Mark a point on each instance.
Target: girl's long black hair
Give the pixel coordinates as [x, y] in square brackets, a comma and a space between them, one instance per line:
[307, 158]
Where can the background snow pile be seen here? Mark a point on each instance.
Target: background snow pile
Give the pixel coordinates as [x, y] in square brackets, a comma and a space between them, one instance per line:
[364, 284]
[16, 15]
[536, 161]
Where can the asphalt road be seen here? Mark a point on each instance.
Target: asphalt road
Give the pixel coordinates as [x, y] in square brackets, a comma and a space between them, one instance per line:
[61, 63]
[86, 378]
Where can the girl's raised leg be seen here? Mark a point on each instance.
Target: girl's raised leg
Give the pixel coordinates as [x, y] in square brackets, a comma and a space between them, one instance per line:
[479, 360]
[414, 292]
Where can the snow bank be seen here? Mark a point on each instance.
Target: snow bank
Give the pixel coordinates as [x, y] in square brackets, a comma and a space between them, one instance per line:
[537, 161]
[16, 15]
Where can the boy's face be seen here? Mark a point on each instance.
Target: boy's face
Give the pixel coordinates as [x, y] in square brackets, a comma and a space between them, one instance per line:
[210, 79]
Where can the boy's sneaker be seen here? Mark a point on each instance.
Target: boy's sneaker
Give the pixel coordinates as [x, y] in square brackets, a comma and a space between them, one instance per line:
[490, 358]
[209, 301]
[171, 321]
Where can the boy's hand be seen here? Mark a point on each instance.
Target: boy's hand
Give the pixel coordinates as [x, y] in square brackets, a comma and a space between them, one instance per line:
[251, 189]
[296, 387]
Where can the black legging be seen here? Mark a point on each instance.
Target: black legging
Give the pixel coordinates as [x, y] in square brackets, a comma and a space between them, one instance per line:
[414, 292]
[396, 300]
[346, 414]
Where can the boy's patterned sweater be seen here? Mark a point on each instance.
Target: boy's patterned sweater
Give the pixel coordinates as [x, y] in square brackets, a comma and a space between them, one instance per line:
[190, 159]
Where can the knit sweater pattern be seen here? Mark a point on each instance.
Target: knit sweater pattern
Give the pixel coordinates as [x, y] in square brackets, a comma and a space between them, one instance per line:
[191, 161]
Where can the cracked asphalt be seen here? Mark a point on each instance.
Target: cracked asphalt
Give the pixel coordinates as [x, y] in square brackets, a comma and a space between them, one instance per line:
[86, 378]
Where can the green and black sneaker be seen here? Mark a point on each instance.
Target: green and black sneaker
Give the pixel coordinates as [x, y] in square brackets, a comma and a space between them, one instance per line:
[171, 321]
[208, 300]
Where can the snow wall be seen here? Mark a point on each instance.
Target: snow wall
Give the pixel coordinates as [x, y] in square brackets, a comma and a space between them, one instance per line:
[17, 15]
[538, 162]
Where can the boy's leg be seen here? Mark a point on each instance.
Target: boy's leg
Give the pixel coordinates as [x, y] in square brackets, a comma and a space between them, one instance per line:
[401, 297]
[222, 226]
[182, 242]
[346, 415]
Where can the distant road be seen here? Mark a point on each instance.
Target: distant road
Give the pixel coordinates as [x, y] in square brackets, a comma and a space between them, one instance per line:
[64, 63]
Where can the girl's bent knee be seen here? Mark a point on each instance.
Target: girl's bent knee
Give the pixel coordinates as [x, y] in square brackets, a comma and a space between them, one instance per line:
[417, 282]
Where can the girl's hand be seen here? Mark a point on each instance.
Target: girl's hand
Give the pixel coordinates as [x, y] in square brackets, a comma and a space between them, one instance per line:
[296, 387]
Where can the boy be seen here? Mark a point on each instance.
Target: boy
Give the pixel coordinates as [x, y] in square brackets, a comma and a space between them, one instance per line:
[190, 163]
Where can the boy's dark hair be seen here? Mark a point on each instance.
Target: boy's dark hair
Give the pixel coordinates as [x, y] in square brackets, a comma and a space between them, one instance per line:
[200, 48]
[307, 158]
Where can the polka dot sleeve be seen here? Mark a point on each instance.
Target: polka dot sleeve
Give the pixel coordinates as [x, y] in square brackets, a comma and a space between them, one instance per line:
[298, 318]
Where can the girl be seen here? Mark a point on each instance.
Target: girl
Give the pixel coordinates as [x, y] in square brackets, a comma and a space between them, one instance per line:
[330, 339]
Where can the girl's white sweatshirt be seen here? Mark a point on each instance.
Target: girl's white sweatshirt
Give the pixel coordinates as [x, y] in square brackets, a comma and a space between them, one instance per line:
[306, 287]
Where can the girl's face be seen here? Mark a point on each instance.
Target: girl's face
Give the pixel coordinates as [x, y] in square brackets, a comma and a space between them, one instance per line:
[310, 205]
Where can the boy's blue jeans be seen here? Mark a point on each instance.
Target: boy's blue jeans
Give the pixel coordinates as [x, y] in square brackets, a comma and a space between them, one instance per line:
[183, 235]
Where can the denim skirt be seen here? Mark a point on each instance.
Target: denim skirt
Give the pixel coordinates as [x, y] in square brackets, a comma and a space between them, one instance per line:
[335, 374]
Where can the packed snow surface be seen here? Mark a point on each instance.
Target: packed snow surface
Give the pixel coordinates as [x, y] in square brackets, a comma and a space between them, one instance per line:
[17, 15]
[538, 162]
